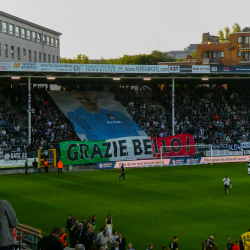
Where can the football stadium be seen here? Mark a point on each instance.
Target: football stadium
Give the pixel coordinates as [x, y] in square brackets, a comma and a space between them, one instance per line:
[114, 156]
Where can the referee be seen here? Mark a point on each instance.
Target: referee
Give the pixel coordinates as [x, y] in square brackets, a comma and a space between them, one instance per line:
[122, 172]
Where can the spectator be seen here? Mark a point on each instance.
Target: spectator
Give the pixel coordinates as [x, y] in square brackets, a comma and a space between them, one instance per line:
[89, 238]
[109, 223]
[230, 244]
[7, 220]
[51, 242]
[116, 246]
[105, 240]
[26, 166]
[130, 247]
[79, 247]
[98, 238]
[35, 166]
[122, 242]
[150, 246]
[236, 246]
[91, 225]
[80, 234]
[173, 245]
[113, 239]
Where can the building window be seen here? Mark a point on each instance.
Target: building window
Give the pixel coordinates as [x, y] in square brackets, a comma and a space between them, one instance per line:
[12, 51]
[57, 59]
[222, 54]
[34, 56]
[5, 27]
[28, 34]
[38, 37]
[57, 43]
[6, 50]
[240, 39]
[52, 41]
[40, 57]
[23, 33]
[238, 53]
[34, 36]
[30, 55]
[18, 52]
[11, 29]
[0, 49]
[49, 58]
[48, 40]
[17, 31]
[44, 39]
[53, 59]
[44, 58]
[24, 52]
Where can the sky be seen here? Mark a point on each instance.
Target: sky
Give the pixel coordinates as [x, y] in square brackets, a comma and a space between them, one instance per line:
[112, 28]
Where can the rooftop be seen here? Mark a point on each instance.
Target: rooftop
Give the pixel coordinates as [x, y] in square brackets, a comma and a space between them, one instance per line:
[29, 23]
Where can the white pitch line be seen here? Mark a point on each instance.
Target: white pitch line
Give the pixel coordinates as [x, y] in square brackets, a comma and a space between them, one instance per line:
[73, 183]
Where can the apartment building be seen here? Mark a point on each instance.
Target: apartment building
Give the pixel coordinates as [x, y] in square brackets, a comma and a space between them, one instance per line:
[233, 53]
[24, 41]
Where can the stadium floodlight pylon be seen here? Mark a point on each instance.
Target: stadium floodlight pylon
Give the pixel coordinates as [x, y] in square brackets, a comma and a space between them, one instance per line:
[195, 151]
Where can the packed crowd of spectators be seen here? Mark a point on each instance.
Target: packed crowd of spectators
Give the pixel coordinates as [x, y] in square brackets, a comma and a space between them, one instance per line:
[212, 115]
[49, 125]
[152, 119]
[13, 136]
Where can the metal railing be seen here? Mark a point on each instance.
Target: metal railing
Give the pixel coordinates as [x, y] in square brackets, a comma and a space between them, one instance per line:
[32, 237]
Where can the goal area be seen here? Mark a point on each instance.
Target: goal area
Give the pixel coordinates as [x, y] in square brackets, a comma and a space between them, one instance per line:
[185, 155]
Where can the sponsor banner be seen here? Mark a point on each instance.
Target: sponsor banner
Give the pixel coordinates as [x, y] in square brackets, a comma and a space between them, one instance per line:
[225, 159]
[26, 66]
[106, 165]
[5, 66]
[230, 146]
[174, 69]
[248, 170]
[15, 156]
[175, 142]
[220, 146]
[245, 145]
[223, 152]
[186, 69]
[185, 161]
[246, 151]
[142, 163]
[87, 110]
[121, 149]
[200, 69]
[234, 146]
[59, 67]
[16, 163]
[230, 69]
[109, 68]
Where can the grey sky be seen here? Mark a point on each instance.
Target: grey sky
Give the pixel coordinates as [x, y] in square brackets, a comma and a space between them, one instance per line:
[112, 28]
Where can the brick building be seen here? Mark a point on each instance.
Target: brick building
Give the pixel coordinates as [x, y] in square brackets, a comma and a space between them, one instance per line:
[236, 52]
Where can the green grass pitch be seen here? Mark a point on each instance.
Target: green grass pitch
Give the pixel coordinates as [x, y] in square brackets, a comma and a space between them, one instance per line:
[151, 205]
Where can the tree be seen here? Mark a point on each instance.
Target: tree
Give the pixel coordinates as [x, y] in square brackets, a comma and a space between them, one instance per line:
[236, 28]
[80, 59]
[224, 36]
[194, 54]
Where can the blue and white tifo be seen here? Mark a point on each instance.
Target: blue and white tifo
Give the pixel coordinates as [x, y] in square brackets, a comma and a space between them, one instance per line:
[96, 115]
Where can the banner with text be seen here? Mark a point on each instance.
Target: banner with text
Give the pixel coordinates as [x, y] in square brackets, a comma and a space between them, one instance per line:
[126, 148]
[176, 143]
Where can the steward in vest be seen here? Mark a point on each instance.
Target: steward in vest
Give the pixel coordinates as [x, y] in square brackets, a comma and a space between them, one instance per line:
[63, 237]
[46, 166]
[60, 166]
